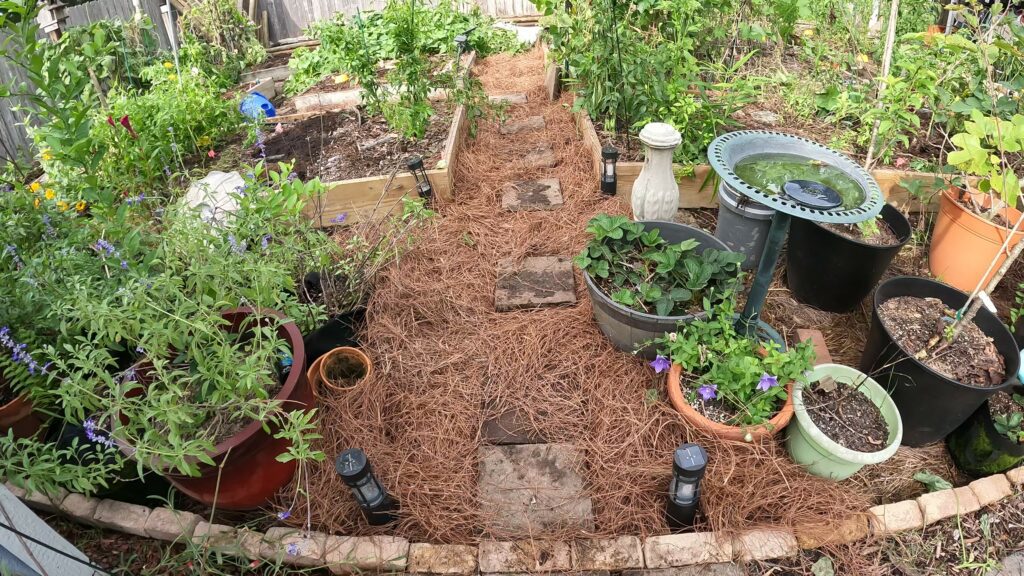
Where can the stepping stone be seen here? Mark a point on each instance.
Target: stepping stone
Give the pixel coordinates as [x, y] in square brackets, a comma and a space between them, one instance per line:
[534, 282]
[543, 194]
[508, 427]
[1012, 565]
[533, 487]
[508, 98]
[541, 156]
[528, 124]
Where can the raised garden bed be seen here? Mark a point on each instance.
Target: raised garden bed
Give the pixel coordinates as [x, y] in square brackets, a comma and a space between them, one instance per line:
[697, 190]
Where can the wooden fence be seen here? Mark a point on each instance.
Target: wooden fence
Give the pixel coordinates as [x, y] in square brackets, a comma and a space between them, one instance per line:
[286, 19]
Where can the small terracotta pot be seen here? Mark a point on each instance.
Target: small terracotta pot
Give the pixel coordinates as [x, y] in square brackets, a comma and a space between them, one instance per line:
[354, 355]
[18, 415]
[724, 431]
[964, 244]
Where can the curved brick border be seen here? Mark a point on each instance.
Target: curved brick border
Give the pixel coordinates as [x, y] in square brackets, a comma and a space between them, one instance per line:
[597, 557]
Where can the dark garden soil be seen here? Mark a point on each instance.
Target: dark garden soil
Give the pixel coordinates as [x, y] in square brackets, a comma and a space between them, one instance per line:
[847, 416]
[885, 236]
[344, 372]
[348, 144]
[917, 324]
[273, 61]
[718, 411]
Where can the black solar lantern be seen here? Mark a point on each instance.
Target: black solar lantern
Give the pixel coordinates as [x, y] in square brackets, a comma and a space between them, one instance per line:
[688, 465]
[378, 507]
[415, 165]
[609, 157]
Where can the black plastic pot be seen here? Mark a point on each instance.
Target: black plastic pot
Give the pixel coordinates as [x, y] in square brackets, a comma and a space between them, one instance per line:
[627, 328]
[338, 331]
[832, 272]
[931, 405]
[980, 450]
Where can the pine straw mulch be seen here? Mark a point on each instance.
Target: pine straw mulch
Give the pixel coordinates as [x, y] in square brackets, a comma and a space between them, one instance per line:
[446, 361]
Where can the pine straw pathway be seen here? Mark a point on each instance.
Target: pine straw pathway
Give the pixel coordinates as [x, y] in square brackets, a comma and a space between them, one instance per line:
[442, 353]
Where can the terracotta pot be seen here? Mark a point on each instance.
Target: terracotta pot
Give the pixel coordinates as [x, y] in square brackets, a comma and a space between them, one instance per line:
[353, 355]
[724, 431]
[18, 415]
[246, 474]
[964, 244]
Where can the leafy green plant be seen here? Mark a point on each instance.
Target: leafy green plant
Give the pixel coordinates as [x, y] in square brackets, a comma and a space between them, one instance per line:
[642, 271]
[987, 148]
[1012, 425]
[725, 368]
[218, 39]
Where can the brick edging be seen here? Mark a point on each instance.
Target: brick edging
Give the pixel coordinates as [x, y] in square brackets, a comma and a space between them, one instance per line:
[346, 554]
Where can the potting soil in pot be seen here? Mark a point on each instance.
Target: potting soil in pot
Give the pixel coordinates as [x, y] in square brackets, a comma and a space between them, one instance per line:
[918, 324]
[717, 411]
[884, 237]
[846, 415]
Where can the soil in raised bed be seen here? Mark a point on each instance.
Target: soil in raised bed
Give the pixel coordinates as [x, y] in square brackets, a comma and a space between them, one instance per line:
[845, 414]
[915, 323]
[328, 146]
[885, 236]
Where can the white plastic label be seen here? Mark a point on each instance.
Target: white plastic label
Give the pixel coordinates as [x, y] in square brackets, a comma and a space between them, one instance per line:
[987, 302]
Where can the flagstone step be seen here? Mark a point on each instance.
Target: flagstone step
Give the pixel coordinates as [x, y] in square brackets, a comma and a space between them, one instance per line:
[534, 282]
[522, 126]
[541, 156]
[542, 194]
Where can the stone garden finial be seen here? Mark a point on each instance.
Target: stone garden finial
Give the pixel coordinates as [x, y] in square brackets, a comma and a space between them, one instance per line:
[655, 192]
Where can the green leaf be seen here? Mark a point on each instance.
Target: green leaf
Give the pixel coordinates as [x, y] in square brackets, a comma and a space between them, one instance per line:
[823, 567]
[931, 481]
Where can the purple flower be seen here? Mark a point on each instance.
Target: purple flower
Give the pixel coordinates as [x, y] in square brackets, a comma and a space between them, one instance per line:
[236, 246]
[20, 354]
[12, 251]
[167, 171]
[292, 549]
[90, 432]
[660, 364]
[135, 200]
[339, 218]
[102, 246]
[128, 375]
[284, 514]
[767, 382]
[265, 241]
[708, 392]
[140, 349]
[124, 264]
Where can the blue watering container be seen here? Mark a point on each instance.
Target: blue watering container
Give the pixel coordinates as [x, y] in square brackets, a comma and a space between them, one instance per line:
[256, 106]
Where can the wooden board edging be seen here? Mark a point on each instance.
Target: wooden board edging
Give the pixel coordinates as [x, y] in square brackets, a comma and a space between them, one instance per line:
[699, 189]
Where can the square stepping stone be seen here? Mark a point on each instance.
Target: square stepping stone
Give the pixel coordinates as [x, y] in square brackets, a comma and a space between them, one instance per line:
[541, 156]
[543, 194]
[508, 98]
[523, 125]
[506, 427]
[533, 282]
[532, 488]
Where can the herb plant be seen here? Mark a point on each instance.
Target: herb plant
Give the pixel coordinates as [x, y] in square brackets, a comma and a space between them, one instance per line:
[724, 368]
[642, 271]
[1012, 425]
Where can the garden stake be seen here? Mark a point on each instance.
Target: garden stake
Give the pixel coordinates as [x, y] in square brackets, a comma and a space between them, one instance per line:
[688, 465]
[378, 507]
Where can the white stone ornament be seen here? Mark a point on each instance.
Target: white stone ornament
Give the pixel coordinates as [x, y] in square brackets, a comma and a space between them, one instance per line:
[655, 192]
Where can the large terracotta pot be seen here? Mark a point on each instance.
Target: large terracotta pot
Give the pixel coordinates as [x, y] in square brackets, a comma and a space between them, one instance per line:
[246, 474]
[724, 431]
[18, 415]
[964, 244]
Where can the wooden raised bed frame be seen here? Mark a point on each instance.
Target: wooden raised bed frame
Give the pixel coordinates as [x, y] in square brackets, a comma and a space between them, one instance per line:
[372, 198]
[698, 191]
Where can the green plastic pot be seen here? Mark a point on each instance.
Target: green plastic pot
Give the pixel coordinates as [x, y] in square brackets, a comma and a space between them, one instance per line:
[822, 456]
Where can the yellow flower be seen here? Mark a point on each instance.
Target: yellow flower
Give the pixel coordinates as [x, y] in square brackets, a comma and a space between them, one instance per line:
[341, 79]
[168, 65]
[36, 203]
[46, 156]
[62, 205]
[204, 141]
[172, 77]
[862, 58]
[80, 205]
[49, 194]
[35, 187]
[809, 32]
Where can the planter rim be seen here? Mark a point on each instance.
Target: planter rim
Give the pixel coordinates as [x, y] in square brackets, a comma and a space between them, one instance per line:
[948, 193]
[725, 431]
[594, 289]
[1011, 379]
[900, 244]
[294, 339]
[322, 379]
[822, 439]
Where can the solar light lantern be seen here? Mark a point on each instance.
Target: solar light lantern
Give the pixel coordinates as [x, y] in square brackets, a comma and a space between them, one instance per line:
[415, 165]
[378, 507]
[609, 157]
[688, 465]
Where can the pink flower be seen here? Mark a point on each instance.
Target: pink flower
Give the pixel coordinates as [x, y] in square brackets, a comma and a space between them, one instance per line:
[110, 120]
[279, 129]
[128, 126]
[211, 154]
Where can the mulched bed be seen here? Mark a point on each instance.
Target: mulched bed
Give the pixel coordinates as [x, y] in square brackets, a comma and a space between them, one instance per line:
[847, 416]
[333, 147]
[917, 324]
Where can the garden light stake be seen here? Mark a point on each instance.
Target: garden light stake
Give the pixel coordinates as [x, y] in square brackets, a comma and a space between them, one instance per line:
[688, 464]
[378, 507]
[415, 165]
[609, 156]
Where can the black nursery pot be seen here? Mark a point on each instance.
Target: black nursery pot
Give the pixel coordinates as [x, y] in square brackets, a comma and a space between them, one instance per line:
[979, 449]
[834, 273]
[338, 331]
[930, 404]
